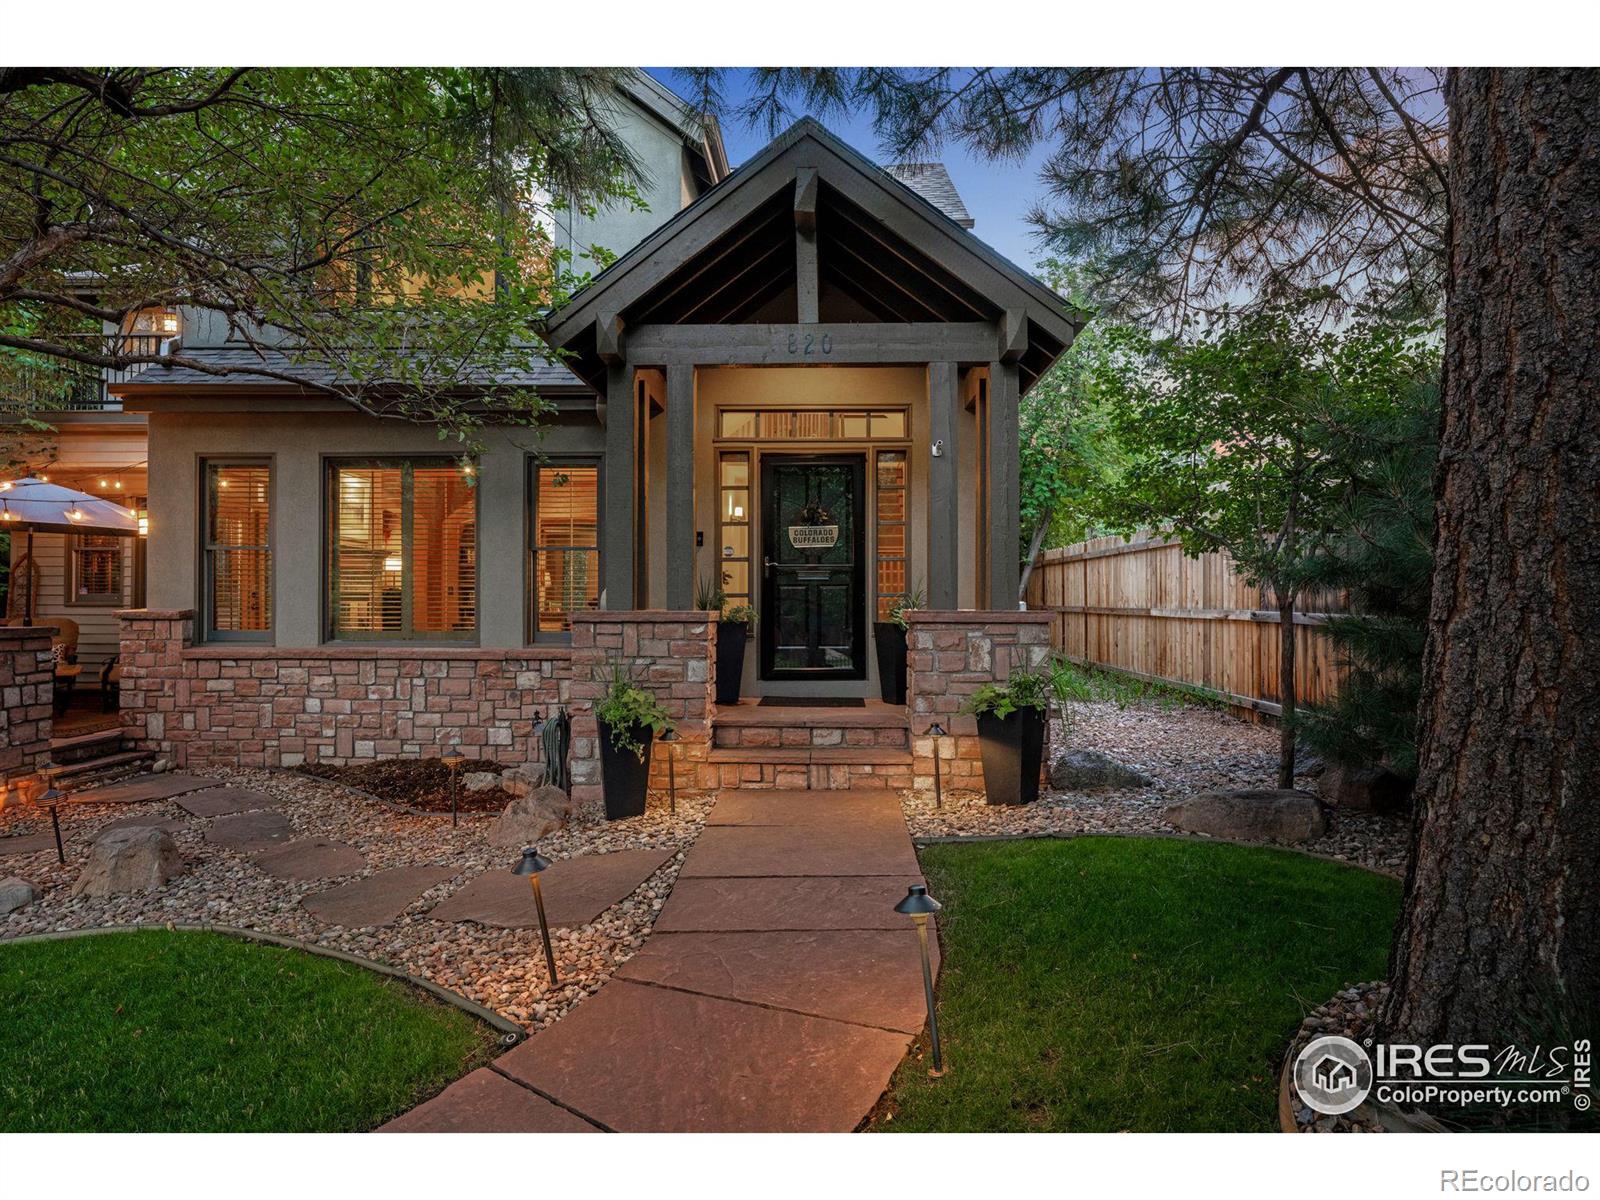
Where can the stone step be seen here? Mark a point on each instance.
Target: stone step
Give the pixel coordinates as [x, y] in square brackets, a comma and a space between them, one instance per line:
[871, 715]
[94, 772]
[815, 736]
[825, 768]
[67, 750]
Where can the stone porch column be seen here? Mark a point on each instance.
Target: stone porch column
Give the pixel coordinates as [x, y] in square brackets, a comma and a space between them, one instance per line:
[949, 655]
[27, 688]
[672, 653]
[155, 701]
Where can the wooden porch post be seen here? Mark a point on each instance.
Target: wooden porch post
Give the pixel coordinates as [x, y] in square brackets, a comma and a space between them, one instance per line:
[680, 487]
[944, 527]
[1005, 496]
[617, 549]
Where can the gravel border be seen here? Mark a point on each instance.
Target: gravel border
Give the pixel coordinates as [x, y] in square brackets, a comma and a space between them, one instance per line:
[1181, 750]
[501, 970]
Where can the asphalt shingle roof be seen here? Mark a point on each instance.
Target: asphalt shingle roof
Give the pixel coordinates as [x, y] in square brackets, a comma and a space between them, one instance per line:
[933, 183]
[542, 375]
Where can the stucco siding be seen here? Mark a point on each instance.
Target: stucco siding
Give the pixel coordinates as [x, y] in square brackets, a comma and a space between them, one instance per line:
[299, 445]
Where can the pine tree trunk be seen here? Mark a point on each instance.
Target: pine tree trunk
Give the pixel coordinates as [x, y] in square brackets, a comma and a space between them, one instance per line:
[1501, 922]
[1286, 688]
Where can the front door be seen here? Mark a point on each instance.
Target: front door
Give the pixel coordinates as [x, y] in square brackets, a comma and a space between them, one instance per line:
[813, 557]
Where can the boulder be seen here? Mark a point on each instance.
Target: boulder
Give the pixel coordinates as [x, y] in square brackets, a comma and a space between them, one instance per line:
[528, 818]
[524, 780]
[1365, 789]
[1088, 770]
[15, 893]
[1251, 815]
[480, 781]
[131, 859]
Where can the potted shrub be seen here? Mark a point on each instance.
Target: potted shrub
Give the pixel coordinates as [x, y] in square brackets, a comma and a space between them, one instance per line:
[889, 639]
[733, 634]
[1011, 727]
[630, 719]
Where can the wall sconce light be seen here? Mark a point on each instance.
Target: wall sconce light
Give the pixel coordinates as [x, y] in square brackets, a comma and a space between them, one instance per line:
[531, 864]
[919, 906]
[144, 523]
[938, 448]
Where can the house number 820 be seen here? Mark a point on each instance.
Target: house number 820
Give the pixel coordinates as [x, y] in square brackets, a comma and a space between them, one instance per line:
[808, 344]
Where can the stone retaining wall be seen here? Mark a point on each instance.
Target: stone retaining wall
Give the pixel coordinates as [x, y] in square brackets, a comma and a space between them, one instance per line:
[949, 655]
[260, 706]
[671, 653]
[27, 689]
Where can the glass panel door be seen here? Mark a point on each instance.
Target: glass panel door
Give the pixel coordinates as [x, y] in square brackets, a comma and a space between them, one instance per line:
[813, 562]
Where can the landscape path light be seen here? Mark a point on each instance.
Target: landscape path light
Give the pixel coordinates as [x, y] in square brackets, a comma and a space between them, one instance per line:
[936, 732]
[919, 906]
[453, 763]
[531, 864]
[670, 737]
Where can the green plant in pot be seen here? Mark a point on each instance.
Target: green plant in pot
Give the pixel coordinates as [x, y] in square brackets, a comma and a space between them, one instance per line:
[889, 639]
[733, 634]
[630, 719]
[1011, 731]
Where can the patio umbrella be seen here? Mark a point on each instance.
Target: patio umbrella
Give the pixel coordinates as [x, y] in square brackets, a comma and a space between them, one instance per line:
[33, 504]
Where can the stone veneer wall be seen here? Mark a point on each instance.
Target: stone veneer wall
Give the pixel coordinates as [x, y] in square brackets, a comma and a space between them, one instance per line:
[238, 704]
[949, 655]
[674, 655]
[27, 687]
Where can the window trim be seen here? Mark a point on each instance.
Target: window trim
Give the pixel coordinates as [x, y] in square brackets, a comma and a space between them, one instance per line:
[331, 464]
[203, 541]
[534, 463]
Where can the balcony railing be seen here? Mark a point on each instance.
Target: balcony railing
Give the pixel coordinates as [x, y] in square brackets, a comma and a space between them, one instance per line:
[73, 387]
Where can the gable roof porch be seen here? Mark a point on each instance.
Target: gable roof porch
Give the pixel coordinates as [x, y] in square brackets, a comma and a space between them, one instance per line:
[810, 255]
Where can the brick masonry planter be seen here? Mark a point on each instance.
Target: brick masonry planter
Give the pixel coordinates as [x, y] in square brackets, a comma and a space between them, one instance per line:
[671, 653]
[949, 655]
[27, 689]
[261, 706]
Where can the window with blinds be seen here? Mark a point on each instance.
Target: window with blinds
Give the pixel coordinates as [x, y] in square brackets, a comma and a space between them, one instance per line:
[403, 550]
[94, 569]
[566, 544]
[238, 549]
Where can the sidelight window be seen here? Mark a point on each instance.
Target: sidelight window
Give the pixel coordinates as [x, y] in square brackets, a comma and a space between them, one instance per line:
[891, 529]
[566, 545]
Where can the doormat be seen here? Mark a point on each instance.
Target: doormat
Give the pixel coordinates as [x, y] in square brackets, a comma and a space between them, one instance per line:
[812, 702]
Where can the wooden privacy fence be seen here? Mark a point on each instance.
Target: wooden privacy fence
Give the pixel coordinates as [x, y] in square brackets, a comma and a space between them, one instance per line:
[1143, 607]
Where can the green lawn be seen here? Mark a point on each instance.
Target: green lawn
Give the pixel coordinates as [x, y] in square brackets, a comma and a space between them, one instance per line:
[1131, 984]
[196, 1031]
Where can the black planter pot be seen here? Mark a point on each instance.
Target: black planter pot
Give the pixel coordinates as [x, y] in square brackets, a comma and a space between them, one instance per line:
[1012, 748]
[731, 639]
[624, 777]
[890, 641]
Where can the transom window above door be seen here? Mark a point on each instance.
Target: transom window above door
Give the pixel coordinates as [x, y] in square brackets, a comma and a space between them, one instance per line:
[810, 424]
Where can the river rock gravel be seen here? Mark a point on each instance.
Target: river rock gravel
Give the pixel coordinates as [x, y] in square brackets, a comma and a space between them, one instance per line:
[502, 969]
[1183, 750]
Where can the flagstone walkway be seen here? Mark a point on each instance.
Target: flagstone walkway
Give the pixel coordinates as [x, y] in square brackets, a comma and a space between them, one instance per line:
[778, 992]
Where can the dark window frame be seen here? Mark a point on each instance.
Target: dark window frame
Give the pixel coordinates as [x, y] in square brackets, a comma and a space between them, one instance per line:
[74, 547]
[406, 636]
[532, 547]
[208, 550]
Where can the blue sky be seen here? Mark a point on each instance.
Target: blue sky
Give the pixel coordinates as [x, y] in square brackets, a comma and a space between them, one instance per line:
[997, 194]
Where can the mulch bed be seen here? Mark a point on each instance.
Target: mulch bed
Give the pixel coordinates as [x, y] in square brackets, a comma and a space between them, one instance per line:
[419, 783]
